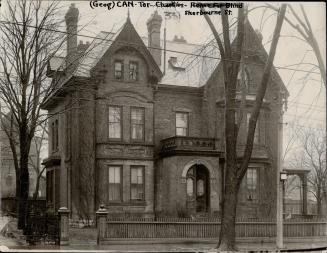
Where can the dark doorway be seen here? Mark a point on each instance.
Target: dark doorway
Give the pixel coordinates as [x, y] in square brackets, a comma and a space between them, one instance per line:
[197, 189]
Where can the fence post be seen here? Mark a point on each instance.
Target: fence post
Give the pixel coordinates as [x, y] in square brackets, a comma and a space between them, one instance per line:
[63, 213]
[101, 218]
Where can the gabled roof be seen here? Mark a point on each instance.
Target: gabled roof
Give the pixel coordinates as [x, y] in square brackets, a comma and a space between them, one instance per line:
[126, 35]
[254, 45]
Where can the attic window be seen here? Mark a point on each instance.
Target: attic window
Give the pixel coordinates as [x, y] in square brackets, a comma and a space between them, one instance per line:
[242, 79]
[119, 70]
[133, 71]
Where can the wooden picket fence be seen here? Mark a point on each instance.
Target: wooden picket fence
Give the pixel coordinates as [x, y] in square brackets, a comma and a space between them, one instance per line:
[206, 228]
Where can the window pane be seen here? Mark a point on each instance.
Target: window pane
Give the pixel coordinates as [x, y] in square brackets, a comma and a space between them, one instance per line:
[182, 124]
[251, 177]
[114, 114]
[200, 187]
[189, 187]
[133, 176]
[137, 132]
[118, 70]
[181, 120]
[134, 192]
[181, 131]
[114, 183]
[137, 115]
[114, 130]
[114, 174]
[133, 71]
[137, 183]
[114, 122]
[137, 123]
[140, 176]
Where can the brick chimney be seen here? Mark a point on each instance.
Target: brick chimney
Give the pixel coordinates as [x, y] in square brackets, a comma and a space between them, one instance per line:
[154, 25]
[71, 18]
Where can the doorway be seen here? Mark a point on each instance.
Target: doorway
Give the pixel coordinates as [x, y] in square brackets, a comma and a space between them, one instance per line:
[197, 189]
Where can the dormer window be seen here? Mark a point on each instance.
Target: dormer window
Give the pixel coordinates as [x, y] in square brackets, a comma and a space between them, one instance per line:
[133, 71]
[119, 70]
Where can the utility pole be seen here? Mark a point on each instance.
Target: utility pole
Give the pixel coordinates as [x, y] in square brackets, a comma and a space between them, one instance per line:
[280, 184]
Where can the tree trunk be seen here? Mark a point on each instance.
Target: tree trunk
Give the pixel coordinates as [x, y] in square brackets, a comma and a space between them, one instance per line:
[319, 201]
[227, 232]
[24, 181]
[17, 169]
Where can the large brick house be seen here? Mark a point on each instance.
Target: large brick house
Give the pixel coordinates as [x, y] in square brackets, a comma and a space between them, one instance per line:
[140, 129]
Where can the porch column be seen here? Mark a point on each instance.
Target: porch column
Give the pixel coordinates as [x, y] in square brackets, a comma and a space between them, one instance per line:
[304, 195]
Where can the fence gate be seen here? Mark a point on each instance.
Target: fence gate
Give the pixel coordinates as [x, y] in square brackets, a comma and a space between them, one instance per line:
[42, 227]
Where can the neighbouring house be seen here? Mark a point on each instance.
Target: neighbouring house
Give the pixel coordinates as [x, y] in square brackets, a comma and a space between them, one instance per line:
[140, 129]
[8, 172]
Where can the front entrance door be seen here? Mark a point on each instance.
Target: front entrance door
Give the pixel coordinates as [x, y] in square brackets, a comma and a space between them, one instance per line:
[197, 189]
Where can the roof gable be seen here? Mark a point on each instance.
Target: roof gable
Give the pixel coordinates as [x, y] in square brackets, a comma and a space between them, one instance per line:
[253, 47]
[126, 36]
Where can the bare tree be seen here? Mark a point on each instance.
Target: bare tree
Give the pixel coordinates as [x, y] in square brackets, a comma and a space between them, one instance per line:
[303, 27]
[39, 142]
[28, 40]
[311, 155]
[230, 59]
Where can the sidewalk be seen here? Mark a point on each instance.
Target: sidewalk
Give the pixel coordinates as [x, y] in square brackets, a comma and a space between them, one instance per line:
[169, 247]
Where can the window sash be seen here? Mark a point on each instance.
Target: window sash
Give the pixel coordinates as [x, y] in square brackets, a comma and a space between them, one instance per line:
[114, 183]
[182, 121]
[137, 183]
[133, 71]
[137, 124]
[115, 127]
[251, 183]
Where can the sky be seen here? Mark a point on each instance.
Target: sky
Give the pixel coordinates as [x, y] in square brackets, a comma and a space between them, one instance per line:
[306, 104]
